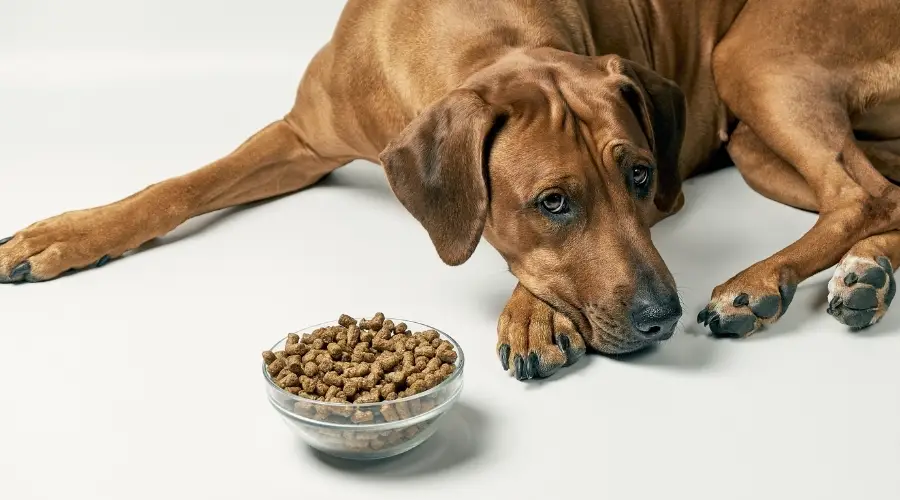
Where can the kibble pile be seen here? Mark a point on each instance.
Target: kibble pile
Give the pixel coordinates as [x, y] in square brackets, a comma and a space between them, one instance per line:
[362, 362]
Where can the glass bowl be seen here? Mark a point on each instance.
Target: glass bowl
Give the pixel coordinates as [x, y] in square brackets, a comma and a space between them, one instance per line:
[327, 427]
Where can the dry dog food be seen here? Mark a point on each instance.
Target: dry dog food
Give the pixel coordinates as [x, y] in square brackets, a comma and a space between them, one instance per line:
[363, 362]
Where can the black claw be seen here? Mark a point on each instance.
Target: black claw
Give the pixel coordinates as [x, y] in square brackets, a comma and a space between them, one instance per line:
[20, 271]
[5, 240]
[563, 342]
[850, 279]
[532, 365]
[703, 317]
[835, 302]
[741, 300]
[787, 292]
[503, 352]
[885, 264]
[103, 261]
[874, 276]
[862, 298]
[766, 307]
[834, 306]
[711, 318]
[520, 367]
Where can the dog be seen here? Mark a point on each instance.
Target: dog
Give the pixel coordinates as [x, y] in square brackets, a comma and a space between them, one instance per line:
[560, 132]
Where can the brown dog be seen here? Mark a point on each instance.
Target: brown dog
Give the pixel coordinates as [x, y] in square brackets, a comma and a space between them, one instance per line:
[561, 130]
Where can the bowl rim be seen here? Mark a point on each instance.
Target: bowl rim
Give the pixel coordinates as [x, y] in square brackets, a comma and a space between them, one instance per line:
[460, 364]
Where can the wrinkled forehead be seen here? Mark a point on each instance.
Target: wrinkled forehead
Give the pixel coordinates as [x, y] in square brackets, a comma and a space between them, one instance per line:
[550, 145]
[538, 153]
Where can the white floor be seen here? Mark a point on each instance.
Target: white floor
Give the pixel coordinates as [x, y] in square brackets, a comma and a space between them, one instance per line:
[142, 380]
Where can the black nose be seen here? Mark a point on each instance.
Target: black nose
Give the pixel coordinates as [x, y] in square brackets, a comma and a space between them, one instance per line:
[655, 315]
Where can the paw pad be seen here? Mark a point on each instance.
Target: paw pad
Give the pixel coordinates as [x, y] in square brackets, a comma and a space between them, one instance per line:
[861, 290]
[740, 314]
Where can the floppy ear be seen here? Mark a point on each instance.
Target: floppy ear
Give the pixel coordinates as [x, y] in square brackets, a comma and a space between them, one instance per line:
[437, 168]
[660, 106]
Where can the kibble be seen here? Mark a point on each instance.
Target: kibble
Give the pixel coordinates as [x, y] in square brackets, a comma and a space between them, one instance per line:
[434, 364]
[275, 367]
[295, 366]
[331, 393]
[346, 321]
[289, 380]
[333, 379]
[367, 360]
[326, 365]
[335, 350]
[350, 387]
[363, 362]
[361, 417]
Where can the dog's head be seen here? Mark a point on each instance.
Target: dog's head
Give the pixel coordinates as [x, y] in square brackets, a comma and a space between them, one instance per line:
[562, 162]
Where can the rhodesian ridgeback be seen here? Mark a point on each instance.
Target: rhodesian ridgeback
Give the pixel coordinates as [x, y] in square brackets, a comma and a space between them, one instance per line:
[560, 131]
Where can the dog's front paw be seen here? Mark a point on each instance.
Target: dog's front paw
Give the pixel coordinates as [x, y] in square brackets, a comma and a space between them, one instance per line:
[861, 290]
[60, 245]
[534, 341]
[747, 302]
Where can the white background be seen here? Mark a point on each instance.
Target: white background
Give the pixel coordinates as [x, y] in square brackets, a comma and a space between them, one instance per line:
[142, 380]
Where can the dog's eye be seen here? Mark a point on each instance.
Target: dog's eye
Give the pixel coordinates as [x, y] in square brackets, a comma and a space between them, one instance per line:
[555, 203]
[640, 175]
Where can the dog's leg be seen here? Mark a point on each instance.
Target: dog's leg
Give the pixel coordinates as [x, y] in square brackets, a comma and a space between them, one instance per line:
[863, 285]
[773, 72]
[847, 213]
[285, 156]
[272, 162]
[766, 173]
[534, 341]
[798, 118]
[885, 156]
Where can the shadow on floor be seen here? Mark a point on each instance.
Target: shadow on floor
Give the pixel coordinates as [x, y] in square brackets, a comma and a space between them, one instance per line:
[459, 441]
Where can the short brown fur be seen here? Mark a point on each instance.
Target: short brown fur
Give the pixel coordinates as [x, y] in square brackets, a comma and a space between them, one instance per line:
[486, 114]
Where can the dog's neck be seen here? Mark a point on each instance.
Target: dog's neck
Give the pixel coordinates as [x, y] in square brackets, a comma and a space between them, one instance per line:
[674, 38]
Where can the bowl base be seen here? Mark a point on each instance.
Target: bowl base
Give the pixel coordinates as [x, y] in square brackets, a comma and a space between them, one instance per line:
[368, 456]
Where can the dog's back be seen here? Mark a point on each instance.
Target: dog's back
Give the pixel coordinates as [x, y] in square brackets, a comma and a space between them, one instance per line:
[389, 59]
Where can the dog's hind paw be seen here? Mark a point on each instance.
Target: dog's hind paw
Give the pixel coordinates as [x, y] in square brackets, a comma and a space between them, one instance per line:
[861, 290]
[743, 305]
[534, 341]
